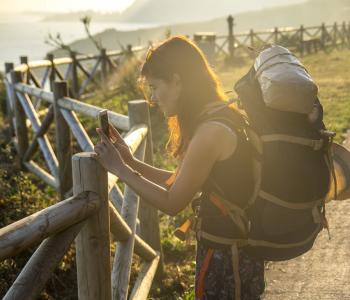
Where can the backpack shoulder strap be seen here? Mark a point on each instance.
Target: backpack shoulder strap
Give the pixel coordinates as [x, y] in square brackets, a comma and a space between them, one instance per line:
[257, 151]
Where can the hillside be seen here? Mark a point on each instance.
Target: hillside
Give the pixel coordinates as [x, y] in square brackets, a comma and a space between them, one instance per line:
[169, 11]
[285, 16]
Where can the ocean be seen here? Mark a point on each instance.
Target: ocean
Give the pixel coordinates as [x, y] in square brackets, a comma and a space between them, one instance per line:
[25, 35]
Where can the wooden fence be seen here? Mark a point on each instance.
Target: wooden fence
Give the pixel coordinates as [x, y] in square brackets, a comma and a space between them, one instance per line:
[91, 204]
[303, 39]
[84, 72]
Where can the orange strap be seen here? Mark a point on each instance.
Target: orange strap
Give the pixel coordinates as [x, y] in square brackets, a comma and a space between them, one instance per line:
[215, 199]
[202, 273]
[171, 179]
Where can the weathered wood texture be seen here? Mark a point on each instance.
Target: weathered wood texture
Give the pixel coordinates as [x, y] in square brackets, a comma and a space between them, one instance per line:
[41, 131]
[9, 102]
[144, 280]
[20, 118]
[93, 241]
[123, 256]
[32, 279]
[78, 130]
[118, 120]
[36, 227]
[121, 232]
[43, 141]
[149, 220]
[41, 173]
[63, 141]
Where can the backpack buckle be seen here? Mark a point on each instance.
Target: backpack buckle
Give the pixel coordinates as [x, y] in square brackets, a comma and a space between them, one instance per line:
[317, 144]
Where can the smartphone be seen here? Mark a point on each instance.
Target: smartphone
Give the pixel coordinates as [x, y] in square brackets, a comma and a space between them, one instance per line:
[103, 119]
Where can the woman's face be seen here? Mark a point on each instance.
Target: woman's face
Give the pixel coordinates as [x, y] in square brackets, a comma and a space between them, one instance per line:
[165, 94]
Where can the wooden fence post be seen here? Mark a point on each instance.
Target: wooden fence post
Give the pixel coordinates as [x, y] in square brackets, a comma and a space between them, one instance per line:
[103, 68]
[124, 253]
[275, 35]
[335, 34]
[93, 241]
[74, 76]
[129, 52]
[231, 39]
[9, 102]
[323, 36]
[251, 36]
[63, 142]
[138, 114]
[343, 34]
[301, 40]
[148, 215]
[24, 61]
[20, 118]
[52, 75]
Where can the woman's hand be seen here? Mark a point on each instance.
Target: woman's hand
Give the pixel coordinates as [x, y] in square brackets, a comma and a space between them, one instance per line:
[108, 155]
[120, 144]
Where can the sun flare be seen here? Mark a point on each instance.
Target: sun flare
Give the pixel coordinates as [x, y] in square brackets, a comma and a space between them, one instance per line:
[64, 5]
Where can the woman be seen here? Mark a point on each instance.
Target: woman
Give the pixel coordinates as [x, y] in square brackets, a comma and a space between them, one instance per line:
[208, 138]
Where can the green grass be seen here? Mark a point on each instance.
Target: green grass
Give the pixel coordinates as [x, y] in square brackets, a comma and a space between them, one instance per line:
[331, 72]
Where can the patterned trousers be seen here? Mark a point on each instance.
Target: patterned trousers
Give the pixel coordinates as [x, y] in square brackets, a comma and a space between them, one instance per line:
[215, 276]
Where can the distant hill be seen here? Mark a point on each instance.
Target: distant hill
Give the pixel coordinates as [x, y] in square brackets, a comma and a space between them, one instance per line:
[170, 11]
[292, 15]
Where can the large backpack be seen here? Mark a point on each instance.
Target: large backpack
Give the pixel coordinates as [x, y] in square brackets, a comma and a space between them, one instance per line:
[293, 171]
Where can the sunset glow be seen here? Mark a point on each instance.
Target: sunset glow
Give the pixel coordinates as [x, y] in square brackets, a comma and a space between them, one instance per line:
[64, 5]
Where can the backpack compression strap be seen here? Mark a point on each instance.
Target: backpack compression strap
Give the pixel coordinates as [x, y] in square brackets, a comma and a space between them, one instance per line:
[314, 144]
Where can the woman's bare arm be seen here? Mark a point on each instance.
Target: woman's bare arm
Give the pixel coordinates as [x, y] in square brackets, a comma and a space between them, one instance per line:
[154, 174]
[158, 176]
[200, 157]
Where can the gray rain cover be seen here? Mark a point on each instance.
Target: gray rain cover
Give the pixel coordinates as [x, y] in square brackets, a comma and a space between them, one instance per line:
[284, 81]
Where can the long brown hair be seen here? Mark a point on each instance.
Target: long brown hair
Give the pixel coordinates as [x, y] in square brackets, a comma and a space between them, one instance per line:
[200, 85]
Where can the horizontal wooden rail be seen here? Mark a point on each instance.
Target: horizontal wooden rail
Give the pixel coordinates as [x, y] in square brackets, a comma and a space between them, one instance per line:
[67, 60]
[135, 137]
[121, 232]
[118, 120]
[41, 173]
[36, 227]
[144, 250]
[144, 280]
[33, 277]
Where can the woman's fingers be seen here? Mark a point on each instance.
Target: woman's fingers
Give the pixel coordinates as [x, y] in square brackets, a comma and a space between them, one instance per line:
[100, 148]
[103, 137]
[114, 133]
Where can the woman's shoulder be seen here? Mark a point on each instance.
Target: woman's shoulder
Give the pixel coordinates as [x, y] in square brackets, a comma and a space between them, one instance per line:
[216, 128]
[220, 135]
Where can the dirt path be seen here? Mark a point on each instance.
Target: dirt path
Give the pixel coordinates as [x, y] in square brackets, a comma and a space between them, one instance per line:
[324, 272]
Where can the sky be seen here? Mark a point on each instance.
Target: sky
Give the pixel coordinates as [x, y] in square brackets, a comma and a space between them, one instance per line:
[63, 5]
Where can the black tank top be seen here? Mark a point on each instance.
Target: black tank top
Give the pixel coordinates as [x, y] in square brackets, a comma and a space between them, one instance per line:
[234, 176]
